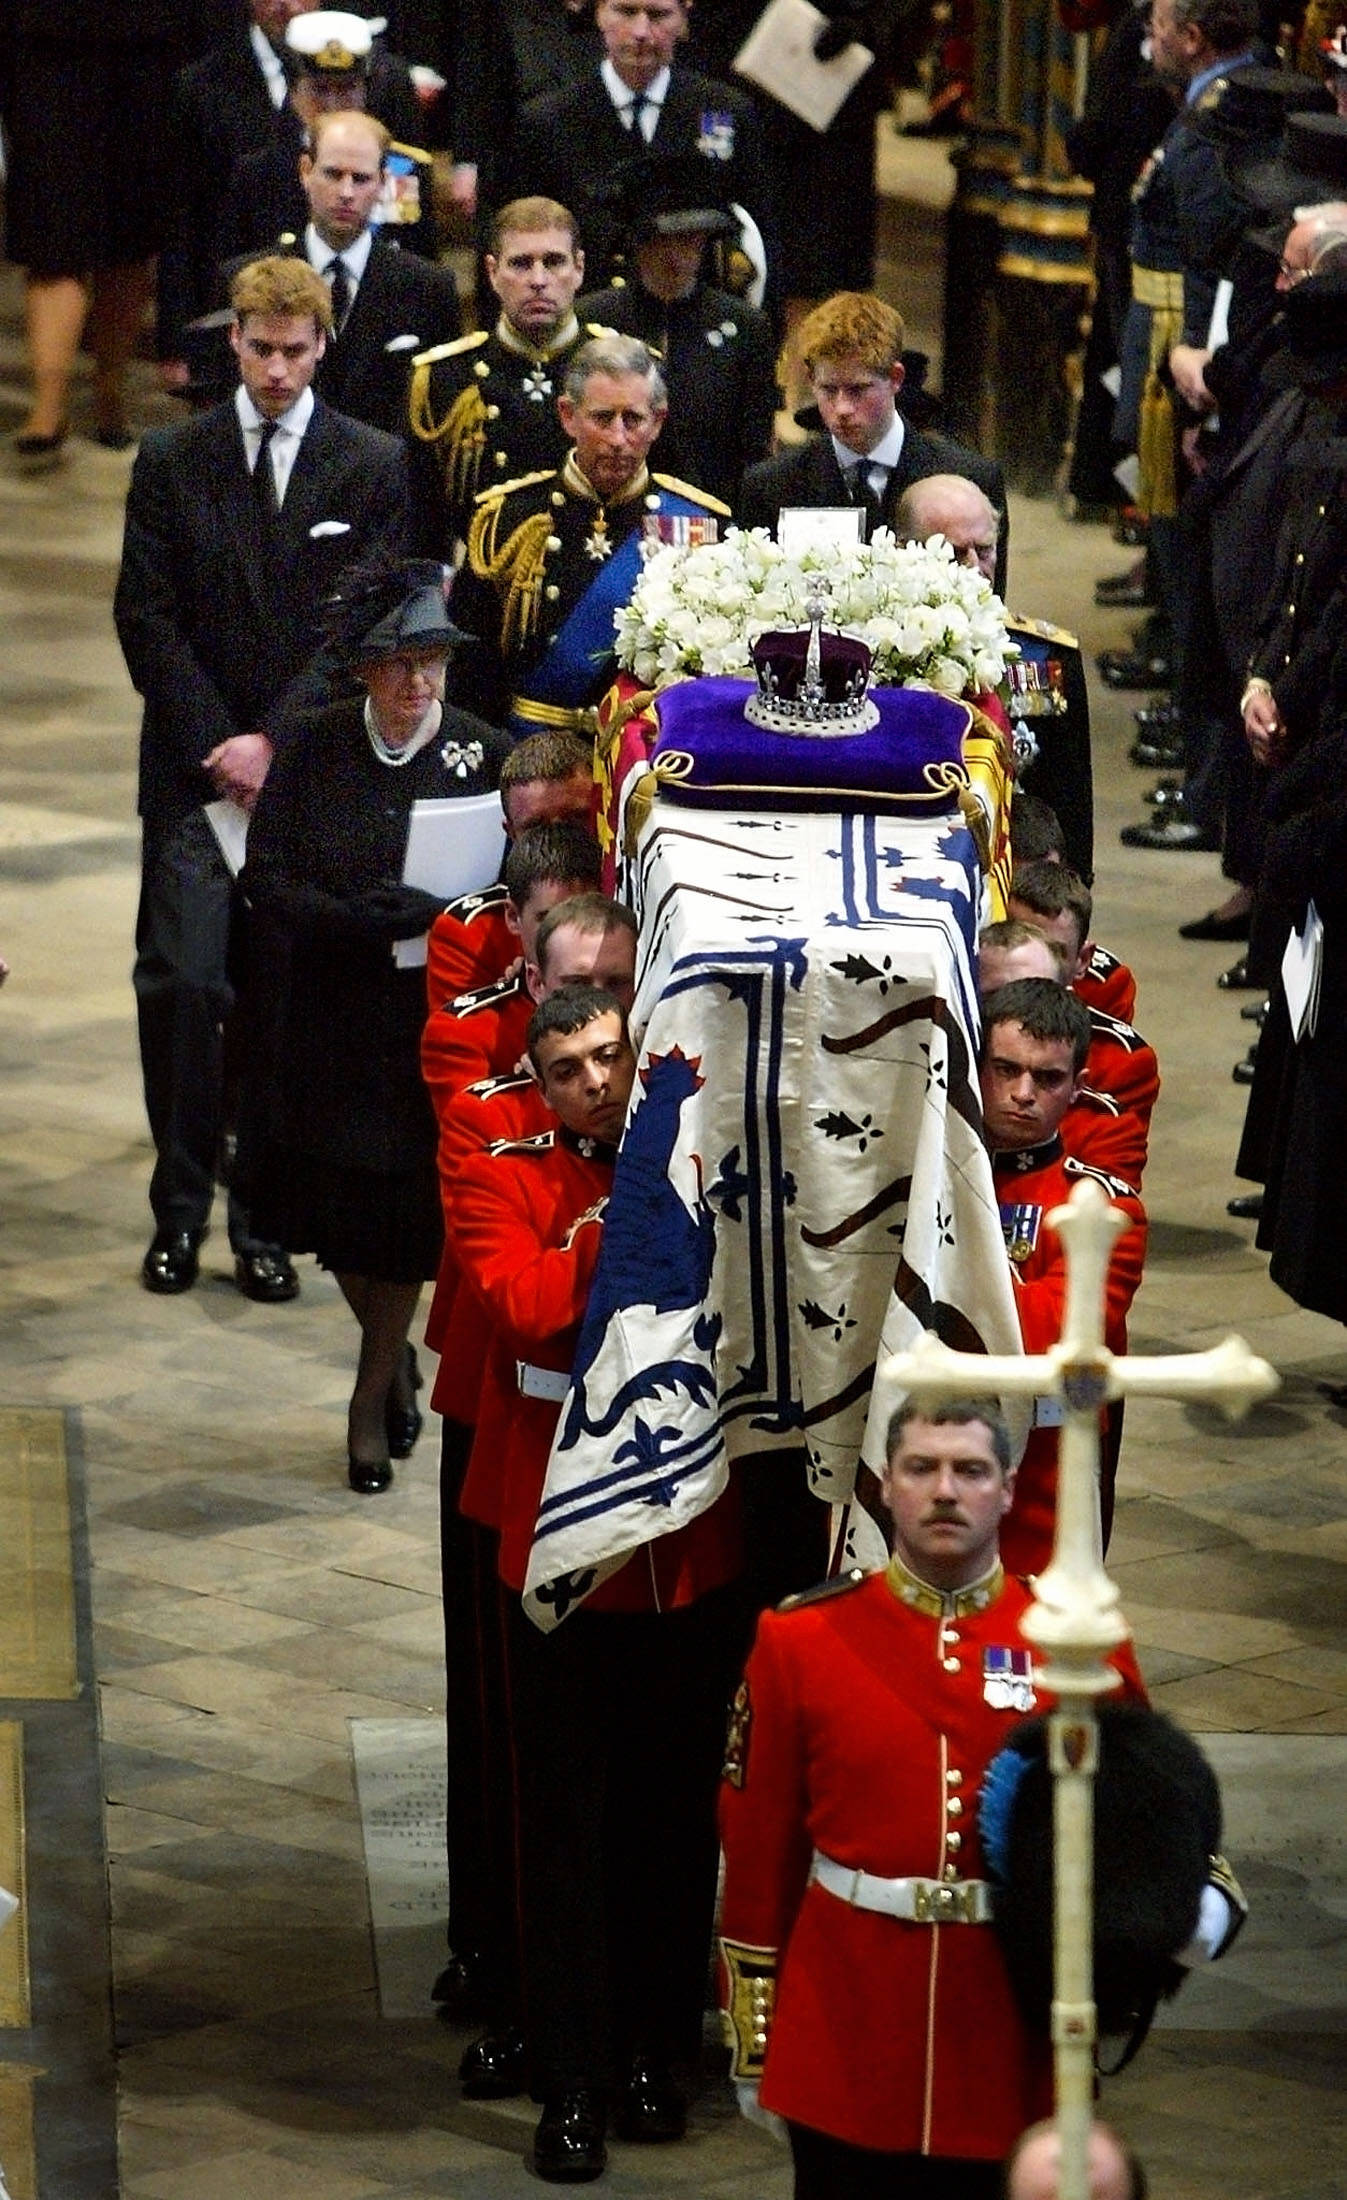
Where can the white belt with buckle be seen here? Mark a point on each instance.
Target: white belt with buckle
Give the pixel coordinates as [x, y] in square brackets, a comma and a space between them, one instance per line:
[916, 1901]
[551, 1383]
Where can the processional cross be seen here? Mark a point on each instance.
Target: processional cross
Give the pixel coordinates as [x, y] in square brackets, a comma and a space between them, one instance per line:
[1075, 1617]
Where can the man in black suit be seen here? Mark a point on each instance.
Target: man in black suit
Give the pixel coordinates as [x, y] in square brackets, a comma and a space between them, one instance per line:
[568, 142]
[237, 525]
[851, 347]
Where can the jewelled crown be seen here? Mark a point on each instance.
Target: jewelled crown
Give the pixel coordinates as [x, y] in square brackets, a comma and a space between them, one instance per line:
[811, 683]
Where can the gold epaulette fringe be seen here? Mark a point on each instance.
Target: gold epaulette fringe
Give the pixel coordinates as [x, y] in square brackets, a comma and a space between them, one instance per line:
[515, 569]
[462, 432]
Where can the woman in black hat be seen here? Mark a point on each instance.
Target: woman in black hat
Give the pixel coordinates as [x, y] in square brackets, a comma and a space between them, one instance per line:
[341, 1136]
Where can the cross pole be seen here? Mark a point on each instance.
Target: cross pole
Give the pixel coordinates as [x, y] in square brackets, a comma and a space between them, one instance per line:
[1076, 1617]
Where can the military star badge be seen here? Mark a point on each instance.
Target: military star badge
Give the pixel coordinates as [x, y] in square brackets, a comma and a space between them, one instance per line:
[537, 384]
[597, 545]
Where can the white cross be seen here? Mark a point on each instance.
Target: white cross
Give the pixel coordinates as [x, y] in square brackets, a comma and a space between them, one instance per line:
[1075, 1616]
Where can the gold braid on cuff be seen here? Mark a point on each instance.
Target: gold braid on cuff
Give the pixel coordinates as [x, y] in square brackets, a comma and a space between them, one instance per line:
[752, 1999]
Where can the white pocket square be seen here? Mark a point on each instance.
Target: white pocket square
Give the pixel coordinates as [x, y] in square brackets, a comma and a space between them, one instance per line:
[330, 527]
[402, 343]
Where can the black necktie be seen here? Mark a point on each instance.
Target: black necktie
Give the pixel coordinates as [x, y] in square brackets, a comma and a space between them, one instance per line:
[264, 475]
[860, 492]
[636, 110]
[341, 292]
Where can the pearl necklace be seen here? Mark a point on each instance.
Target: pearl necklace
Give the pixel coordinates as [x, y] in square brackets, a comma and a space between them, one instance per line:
[396, 758]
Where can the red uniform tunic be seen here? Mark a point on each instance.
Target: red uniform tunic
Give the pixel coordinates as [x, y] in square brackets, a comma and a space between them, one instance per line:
[1108, 984]
[478, 1035]
[1121, 1064]
[1028, 1186]
[526, 1222]
[862, 1730]
[1097, 1129]
[497, 1108]
[470, 945]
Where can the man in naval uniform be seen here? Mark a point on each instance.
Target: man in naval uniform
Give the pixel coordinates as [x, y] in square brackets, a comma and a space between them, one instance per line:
[716, 352]
[553, 556]
[1049, 704]
[859, 1959]
[486, 404]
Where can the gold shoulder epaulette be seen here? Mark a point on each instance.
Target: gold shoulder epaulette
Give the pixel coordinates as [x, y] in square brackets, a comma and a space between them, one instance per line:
[601, 328]
[698, 496]
[497, 489]
[541, 1142]
[823, 1590]
[454, 350]
[411, 152]
[1042, 629]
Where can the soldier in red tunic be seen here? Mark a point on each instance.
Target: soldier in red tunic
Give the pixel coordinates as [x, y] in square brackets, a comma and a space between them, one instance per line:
[865, 1987]
[546, 778]
[1054, 898]
[1035, 1039]
[1108, 1122]
[616, 1714]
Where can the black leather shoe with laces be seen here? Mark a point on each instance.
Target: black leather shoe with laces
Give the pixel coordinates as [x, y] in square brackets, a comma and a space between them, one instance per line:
[568, 2145]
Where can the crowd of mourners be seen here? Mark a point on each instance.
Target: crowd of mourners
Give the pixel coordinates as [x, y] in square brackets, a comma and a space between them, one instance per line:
[376, 563]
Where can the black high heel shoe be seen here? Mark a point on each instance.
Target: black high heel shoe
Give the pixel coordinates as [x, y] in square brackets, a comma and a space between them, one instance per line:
[403, 1424]
[368, 1476]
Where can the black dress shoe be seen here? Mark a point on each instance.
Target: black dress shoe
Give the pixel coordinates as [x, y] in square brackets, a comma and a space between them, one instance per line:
[1154, 754]
[1161, 717]
[267, 1276]
[1246, 1207]
[1135, 668]
[459, 1992]
[1237, 979]
[38, 453]
[1243, 1071]
[568, 2146]
[1214, 927]
[1170, 832]
[368, 1476]
[652, 2110]
[494, 2067]
[403, 1424]
[1123, 591]
[171, 1263]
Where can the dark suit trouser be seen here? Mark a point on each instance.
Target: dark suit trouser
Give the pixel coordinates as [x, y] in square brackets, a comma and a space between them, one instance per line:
[184, 996]
[620, 1726]
[481, 1821]
[829, 2169]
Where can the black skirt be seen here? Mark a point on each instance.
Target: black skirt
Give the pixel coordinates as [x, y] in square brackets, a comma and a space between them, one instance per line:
[89, 182]
[359, 1222]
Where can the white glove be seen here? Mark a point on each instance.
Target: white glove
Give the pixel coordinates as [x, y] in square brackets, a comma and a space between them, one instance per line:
[751, 2108]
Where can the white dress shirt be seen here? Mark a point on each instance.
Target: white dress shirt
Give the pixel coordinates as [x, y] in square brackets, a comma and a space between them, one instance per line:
[880, 462]
[623, 97]
[354, 258]
[269, 62]
[285, 443]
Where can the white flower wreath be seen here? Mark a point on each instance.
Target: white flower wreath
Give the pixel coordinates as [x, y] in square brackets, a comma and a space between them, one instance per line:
[927, 620]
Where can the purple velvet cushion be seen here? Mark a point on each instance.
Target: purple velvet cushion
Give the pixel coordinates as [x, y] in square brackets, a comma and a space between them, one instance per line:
[711, 754]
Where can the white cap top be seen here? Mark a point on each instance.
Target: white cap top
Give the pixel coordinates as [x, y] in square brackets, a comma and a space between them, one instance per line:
[330, 38]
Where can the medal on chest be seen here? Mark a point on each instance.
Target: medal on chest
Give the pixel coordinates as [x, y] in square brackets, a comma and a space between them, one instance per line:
[1019, 1226]
[597, 543]
[1008, 1679]
[537, 383]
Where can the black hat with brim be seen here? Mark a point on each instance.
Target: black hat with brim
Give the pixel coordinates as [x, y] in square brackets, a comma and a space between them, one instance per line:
[1309, 167]
[669, 195]
[1254, 105]
[385, 607]
[1314, 333]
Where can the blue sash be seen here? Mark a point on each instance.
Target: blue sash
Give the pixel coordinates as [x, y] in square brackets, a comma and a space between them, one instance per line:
[580, 660]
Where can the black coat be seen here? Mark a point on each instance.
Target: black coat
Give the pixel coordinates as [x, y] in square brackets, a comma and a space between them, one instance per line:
[366, 369]
[569, 142]
[266, 198]
[810, 475]
[221, 112]
[217, 615]
[325, 856]
[719, 361]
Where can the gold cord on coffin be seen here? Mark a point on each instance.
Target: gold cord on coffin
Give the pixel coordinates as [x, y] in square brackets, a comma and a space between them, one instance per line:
[515, 570]
[462, 430]
[614, 714]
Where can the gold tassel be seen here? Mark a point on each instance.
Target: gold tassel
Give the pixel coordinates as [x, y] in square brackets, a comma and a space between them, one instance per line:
[521, 563]
[1157, 488]
[462, 432]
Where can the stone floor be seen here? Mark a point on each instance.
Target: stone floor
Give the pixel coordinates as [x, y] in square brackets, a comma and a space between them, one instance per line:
[245, 1608]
